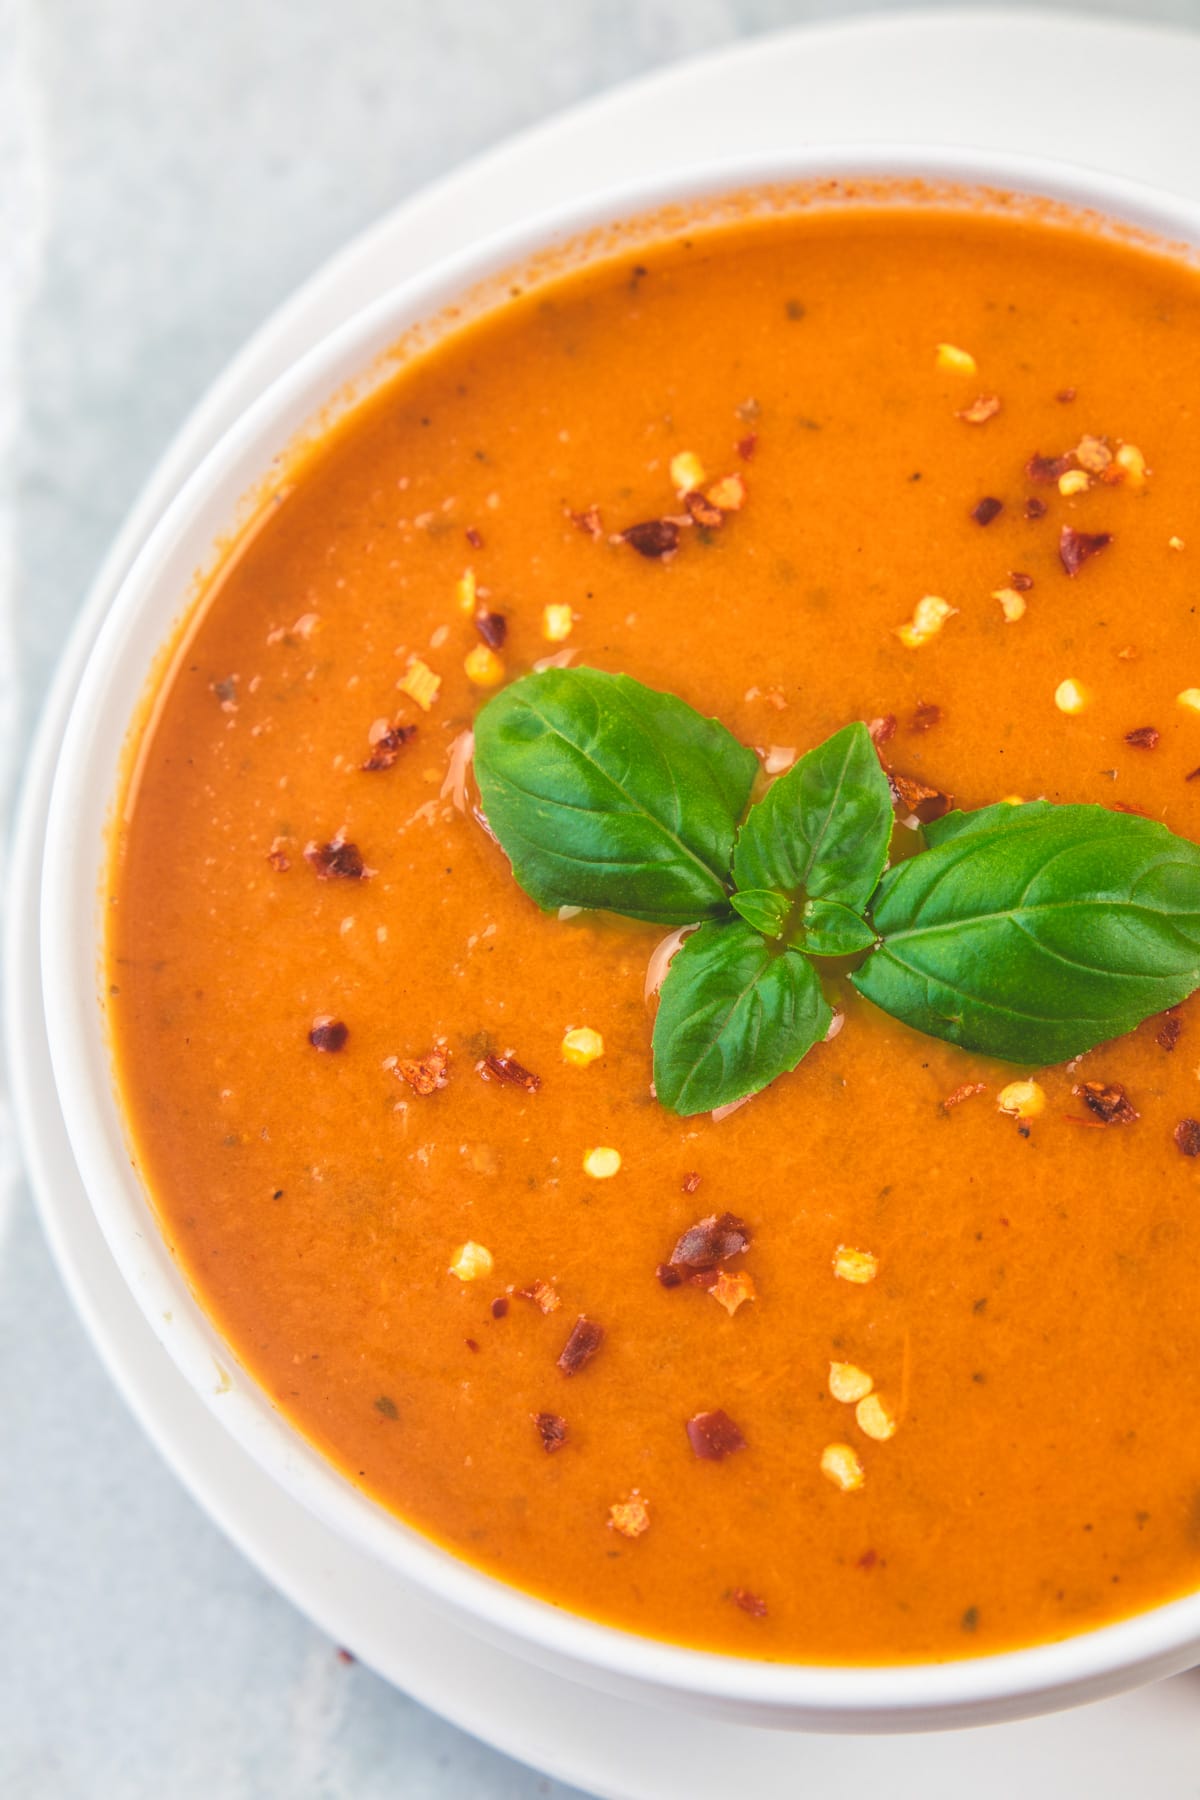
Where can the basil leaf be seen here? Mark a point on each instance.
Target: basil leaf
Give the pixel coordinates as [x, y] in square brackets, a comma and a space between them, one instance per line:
[823, 829]
[734, 1012]
[826, 928]
[605, 793]
[1034, 932]
[763, 908]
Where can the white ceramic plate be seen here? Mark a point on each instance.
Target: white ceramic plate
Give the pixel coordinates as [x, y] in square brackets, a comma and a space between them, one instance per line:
[1118, 97]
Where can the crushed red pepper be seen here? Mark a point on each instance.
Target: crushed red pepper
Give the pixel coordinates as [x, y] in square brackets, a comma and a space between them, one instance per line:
[714, 1436]
[967, 1091]
[1187, 1136]
[508, 1070]
[500, 1306]
[426, 1074]
[1048, 468]
[552, 1430]
[690, 1182]
[1144, 738]
[749, 1603]
[1108, 1100]
[702, 511]
[492, 628]
[1077, 547]
[653, 537]
[926, 716]
[987, 509]
[328, 1035]
[1035, 508]
[337, 860]
[588, 521]
[708, 1243]
[1169, 1032]
[1018, 579]
[387, 748]
[585, 1339]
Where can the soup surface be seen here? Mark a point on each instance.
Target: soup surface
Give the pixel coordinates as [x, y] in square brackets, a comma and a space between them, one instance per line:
[397, 1241]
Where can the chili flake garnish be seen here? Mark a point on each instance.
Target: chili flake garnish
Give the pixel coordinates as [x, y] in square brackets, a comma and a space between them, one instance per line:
[1048, 468]
[585, 1339]
[987, 509]
[709, 1243]
[508, 1070]
[747, 446]
[702, 510]
[1035, 508]
[426, 1074]
[474, 537]
[928, 803]
[1018, 579]
[967, 1091]
[749, 1603]
[500, 1306]
[1077, 547]
[653, 537]
[925, 717]
[552, 1430]
[1187, 1136]
[880, 730]
[281, 862]
[387, 747]
[1144, 738]
[731, 1291]
[492, 628]
[337, 860]
[714, 1436]
[1108, 1100]
[328, 1034]
[1169, 1031]
[690, 1182]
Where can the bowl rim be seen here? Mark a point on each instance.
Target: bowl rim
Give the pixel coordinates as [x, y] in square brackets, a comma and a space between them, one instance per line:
[1159, 1641]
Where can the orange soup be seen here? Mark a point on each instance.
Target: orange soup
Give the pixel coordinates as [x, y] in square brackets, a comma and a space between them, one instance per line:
[921, 1382]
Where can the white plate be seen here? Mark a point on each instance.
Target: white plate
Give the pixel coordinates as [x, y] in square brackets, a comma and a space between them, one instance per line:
[1119, 97]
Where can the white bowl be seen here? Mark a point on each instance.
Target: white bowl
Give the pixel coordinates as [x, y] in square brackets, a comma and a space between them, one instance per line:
[127, 652]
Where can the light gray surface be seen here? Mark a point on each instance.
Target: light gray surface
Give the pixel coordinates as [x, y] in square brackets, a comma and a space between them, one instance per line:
[169, 169]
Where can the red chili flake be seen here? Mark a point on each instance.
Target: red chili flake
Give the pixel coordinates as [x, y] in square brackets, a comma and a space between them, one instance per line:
[1127, 806]
[702, 512]
[336, 861]
[653, 537]
[507, 1069]
[471, 1345]
[928, 803]
[670, 1278]
[1144, 738]
[747, 446]
[474, 538]
[585, 1339]
[1035, 508]
[328, 1034]
[926, 717]
[1108, 1100]
[1076, 547]
[749, 1603]
[226, 692]
[1169, 1032]
[1048, 468]
[1065, 396]
[880, 730]
[868, 1559]
[552, 1430]
[714, 1436]
[1019, 580]
[710, 1242]
[967, 1091]
[279, 859]
[588, 521]
[500, 1306]
[426, 1074]
[492, 628]
[987, 509]
[346, 1656]
[387, 747]
[690, 1182]
[1187, 1136]
[1194, 775]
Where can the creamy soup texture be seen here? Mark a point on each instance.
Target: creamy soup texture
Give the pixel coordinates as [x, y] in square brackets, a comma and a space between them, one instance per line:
[954, 1330]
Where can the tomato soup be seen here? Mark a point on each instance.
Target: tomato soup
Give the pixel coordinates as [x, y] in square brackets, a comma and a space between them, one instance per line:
[921, 1382]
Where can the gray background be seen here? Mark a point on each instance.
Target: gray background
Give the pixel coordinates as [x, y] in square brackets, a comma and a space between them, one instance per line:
[169, 170]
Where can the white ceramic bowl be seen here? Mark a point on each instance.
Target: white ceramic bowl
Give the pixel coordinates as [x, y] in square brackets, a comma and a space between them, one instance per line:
[141, 622]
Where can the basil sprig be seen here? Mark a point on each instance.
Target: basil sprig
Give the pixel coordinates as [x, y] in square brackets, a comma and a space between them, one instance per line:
[1029, 933]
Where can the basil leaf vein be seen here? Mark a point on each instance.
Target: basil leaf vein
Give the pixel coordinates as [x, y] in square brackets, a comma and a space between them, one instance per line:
[735, 1011]
[604, 793]
[1034, 933]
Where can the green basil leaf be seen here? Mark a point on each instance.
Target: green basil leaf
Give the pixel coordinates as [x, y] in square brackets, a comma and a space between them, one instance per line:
[605, 793]
[823, 829]
[763, 908]
[734, 1012]
[827, 928]
[1034, 932]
